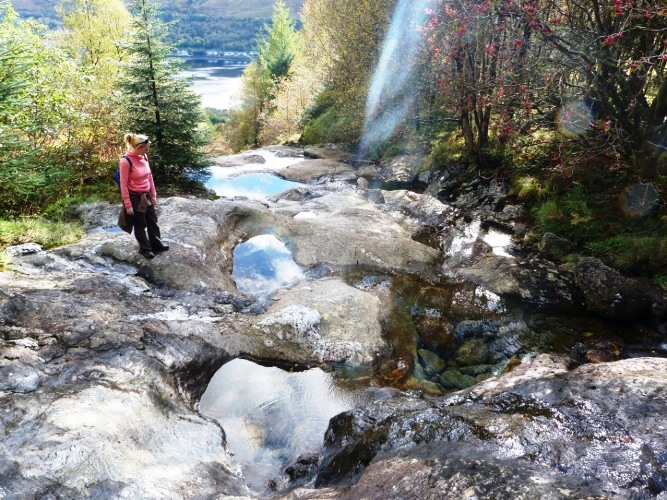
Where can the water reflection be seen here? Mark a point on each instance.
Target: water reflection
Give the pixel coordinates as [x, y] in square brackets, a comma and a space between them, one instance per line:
[255, 186]
[450, 334]
[263, 264]
[271, 416]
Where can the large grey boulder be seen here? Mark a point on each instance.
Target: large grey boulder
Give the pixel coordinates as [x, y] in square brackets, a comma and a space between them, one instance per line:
[321, 322]
[347, 230]
[336, 152]
[540, 431]
[534, 280]
[402, 170]
[312, 170]
[608, 293]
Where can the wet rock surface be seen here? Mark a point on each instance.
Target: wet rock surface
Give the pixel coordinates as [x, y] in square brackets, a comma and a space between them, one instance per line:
[104, 356]
[610, 294]
[596, 431]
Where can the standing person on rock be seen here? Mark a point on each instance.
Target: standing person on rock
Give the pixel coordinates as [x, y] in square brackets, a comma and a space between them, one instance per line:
[139, 195]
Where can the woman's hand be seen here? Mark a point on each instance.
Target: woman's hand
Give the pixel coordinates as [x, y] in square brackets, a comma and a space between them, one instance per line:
[129, 211]
[154, 201]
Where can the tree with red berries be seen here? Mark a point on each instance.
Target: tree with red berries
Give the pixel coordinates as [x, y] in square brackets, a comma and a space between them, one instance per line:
[507, 63]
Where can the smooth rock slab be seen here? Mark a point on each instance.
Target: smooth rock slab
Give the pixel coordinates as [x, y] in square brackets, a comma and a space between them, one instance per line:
[322, 321]
[538, 432]
[108, 432]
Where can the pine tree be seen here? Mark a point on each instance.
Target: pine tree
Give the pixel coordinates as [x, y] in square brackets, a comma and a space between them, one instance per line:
[279, 45]
[162, 105]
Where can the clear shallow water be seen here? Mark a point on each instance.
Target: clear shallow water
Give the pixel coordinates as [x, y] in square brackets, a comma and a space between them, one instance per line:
[271, 416]
[255, 186]
[254, 179]
[263, 264]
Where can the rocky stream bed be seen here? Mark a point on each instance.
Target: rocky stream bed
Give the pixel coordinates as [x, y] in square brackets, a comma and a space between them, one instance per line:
[481, 370]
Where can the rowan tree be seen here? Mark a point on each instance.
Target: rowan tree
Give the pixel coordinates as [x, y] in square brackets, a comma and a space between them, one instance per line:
[506, 62]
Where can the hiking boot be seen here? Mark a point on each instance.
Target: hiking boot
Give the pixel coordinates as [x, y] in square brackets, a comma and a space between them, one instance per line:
[147, 253]
[162, 248]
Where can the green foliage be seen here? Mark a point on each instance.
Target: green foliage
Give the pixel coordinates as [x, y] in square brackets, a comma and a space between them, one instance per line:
[334, 125]
[240, 131]
[329, 120]
[38, 113]
[279, 45]
[94, 33]
[162, 105]
[568, 216]
[58, 211]
[528, 187]
[661, 280]
[209, 27]
[37, 230]
[243, 127]
[632, 254]
[216, 116]
[447, 148]
[198, 33]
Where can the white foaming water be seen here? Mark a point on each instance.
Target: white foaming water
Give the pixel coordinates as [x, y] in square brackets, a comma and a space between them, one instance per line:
[271, 416]
[272, 163]
[498, 241]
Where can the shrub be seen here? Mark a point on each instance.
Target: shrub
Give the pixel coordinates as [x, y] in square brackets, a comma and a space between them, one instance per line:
[632, 254]
[567, 216]
[528, 187]
[334, 125]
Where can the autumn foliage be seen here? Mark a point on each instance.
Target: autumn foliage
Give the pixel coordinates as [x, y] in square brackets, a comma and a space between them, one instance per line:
[506, 66]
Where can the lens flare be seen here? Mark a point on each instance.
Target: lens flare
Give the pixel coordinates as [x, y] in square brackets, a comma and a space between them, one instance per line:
[639, 200]
[391, 94]
[574, 118]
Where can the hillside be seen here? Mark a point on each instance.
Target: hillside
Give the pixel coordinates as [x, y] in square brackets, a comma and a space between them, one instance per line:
[199, 25]
[262, 9]
[246, 8]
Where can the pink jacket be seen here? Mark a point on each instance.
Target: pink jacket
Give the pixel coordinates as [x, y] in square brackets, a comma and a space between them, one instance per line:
[138, 179]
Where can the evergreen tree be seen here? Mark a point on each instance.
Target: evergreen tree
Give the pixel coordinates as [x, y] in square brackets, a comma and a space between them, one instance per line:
[161, 104]
[279, 45]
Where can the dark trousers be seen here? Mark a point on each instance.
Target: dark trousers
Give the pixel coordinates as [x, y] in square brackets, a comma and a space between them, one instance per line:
[145, 222]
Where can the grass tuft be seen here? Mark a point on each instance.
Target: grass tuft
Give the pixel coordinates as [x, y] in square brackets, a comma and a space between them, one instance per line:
[46, 233]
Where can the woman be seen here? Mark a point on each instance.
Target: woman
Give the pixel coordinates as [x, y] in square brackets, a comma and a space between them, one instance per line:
[139, 195]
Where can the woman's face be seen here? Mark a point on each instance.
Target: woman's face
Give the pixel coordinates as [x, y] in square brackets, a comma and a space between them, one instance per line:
[143, 146]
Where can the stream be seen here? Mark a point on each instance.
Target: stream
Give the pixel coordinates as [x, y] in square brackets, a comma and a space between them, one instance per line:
[445, 334]
[323, 336]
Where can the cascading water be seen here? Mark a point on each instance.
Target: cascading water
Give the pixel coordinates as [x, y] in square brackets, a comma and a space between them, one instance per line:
[392, 94]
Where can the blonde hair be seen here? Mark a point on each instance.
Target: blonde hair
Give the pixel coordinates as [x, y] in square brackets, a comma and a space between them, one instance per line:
[134, 139]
